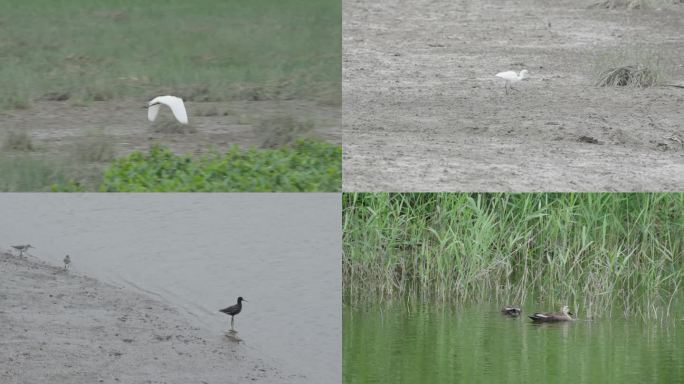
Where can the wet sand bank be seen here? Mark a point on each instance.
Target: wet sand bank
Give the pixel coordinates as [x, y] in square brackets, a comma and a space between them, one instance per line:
[63, 327]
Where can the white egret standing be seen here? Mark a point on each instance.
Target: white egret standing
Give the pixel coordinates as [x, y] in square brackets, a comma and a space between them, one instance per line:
[173, 102]
[512, 77]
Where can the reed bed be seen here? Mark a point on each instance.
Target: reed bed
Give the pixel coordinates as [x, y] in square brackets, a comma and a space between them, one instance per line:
[601, 253]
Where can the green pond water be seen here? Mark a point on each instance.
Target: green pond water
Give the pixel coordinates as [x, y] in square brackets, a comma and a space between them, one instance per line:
[396, 344]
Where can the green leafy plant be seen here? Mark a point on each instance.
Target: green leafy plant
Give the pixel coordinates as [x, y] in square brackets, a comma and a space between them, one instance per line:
[308, 165]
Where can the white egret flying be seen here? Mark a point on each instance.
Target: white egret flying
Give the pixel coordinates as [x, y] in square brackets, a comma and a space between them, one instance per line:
[173, 102]
[512, 77]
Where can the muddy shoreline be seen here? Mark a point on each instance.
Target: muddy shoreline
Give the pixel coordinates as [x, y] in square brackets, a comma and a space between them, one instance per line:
[63, 327]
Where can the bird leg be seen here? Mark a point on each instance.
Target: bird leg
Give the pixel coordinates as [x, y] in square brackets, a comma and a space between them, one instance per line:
[231, 323]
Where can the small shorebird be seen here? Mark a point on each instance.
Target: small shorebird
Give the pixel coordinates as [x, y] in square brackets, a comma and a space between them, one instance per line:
[22, 248]
[512, 77]
[511, 311]
[67, 262]
[233, 310]
[563, 315]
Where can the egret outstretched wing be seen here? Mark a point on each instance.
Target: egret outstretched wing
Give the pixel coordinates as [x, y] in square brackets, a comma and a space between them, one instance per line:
[152, 112]
[174, 103]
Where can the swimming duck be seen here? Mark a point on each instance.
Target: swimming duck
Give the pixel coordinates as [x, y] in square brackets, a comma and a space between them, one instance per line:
[511, 311]
[563, 315]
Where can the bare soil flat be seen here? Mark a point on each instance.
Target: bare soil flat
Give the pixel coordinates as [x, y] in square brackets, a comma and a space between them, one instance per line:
[61, 327]
[422, 110]
[56, 127]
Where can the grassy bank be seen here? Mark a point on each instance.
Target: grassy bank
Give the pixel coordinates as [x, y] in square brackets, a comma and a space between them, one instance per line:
[599, 252]
[305, 166]
[85, 51]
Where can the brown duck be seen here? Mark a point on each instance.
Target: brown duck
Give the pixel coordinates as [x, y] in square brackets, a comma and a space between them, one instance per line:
[511, 311]
[563, 315]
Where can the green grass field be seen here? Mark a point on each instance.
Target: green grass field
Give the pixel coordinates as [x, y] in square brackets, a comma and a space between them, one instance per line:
[203, 50]
[598, 252]
[92, 54]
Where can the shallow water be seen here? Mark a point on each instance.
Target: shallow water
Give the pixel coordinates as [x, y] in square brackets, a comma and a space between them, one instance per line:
[199, 252]
[394, 344]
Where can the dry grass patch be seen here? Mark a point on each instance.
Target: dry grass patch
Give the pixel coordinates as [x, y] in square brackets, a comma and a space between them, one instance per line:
[18, 141]
[638, 76]
[283, 130]
[209, 110]
[172, 126]
[635, 65]
[95, 146]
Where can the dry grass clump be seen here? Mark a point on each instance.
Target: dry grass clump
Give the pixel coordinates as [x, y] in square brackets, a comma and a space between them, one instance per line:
[638, 75]
[95, 147]
[278, 131]
[18, 141]
[210, 110]
[26, 172]
[16, 101]
[172, 126]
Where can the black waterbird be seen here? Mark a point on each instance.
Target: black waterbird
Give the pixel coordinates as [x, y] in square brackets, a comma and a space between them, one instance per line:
[511, 311]
[233, 310]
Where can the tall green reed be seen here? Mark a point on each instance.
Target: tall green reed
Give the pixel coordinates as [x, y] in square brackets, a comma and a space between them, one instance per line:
[598, 252]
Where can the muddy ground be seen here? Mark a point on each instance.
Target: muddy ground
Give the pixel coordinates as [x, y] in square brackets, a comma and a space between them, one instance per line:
[62, 327]
[422, 110]
[56, 127]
